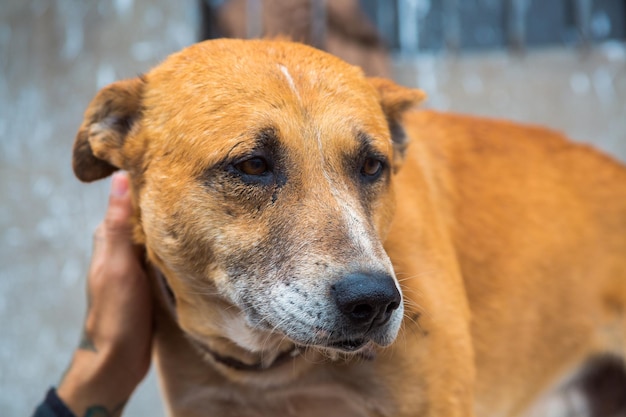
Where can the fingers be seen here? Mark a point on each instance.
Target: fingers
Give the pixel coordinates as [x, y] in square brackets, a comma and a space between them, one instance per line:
[116, 229]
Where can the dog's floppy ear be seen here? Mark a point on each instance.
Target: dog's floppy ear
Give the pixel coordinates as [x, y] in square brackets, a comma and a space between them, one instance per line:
[395, 100]
[109, 118]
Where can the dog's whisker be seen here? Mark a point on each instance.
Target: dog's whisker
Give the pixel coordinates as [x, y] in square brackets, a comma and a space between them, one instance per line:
[419, 274]
[205, 293]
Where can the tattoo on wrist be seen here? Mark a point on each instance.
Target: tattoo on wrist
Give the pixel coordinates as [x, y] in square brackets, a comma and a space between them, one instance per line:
[86, 343]
[101, 411]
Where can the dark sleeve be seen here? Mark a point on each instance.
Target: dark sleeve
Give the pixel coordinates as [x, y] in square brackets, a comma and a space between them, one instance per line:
[52, 406]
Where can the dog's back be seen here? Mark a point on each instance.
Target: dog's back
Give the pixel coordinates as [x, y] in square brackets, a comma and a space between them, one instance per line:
[538, 227]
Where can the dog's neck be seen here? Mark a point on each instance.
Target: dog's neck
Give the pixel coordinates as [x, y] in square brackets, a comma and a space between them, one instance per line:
[237, 358]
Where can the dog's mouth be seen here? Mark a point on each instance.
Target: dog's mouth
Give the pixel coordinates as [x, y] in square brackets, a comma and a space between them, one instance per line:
[348, 345]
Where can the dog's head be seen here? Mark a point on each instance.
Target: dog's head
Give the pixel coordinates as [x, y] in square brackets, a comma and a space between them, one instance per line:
[262, 175]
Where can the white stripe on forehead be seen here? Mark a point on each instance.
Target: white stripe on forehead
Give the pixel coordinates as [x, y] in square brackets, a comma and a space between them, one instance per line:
[352, 215]
[290, 81]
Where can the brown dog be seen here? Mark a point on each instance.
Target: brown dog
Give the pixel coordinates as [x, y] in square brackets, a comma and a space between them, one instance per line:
[308, 263]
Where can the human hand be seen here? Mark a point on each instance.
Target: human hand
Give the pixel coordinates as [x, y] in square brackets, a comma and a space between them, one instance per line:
[115, 349]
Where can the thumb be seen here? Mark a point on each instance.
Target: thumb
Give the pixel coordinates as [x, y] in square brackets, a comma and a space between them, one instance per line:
[117, 221]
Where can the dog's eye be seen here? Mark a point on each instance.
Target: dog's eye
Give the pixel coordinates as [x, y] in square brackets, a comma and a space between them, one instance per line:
[254, 166]
[372, 168]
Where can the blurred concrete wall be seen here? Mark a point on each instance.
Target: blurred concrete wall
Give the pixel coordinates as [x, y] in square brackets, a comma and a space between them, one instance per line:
[579, 92]
[54, 55]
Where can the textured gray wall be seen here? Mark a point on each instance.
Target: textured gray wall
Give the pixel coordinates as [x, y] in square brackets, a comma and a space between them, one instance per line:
[580, 93]
[54, 55]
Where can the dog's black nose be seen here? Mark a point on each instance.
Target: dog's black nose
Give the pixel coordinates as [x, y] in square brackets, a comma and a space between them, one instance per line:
[367, 299]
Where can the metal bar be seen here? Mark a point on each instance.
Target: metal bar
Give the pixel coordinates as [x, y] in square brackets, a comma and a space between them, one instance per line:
[318, 23]
[452, 25]
[254, 18]
[516, 23]
[583, 10]
[408, 27]
[385, 20]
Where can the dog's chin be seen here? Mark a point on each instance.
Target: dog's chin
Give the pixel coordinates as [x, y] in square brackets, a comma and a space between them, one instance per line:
[364, 346]
[227, 353]
[348, 345]
[357, 343]
[347, 350]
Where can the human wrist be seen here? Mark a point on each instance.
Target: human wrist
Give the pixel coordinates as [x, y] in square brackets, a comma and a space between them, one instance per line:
[93, 383]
